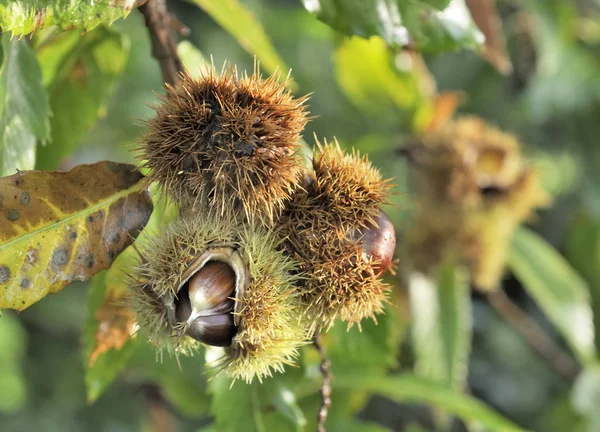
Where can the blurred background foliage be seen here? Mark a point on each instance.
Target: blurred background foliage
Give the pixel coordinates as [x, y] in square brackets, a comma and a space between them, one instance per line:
[375, 97]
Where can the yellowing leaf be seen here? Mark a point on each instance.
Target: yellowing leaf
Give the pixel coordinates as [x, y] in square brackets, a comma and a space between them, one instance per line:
[369, 75]
[56, 228]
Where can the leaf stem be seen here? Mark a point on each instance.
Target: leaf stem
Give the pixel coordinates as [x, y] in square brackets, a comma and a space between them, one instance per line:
[164, 49]
[533, 334]
[326, 385]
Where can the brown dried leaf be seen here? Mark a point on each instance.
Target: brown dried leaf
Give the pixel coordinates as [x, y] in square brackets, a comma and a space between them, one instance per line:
[444, 107]
[57, 227]
[486, 17]
[115, 324]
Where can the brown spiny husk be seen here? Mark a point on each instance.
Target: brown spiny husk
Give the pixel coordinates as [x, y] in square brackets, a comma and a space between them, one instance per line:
[347, 187]
[266, 312]
[228, 141]
[342, 194]
[473, 189]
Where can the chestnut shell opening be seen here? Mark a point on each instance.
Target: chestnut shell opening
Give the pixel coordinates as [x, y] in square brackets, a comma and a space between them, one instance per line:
[205, 305]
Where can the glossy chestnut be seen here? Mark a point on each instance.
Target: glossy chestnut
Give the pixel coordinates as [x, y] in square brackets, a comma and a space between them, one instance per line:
[379, 241]
[205, 304]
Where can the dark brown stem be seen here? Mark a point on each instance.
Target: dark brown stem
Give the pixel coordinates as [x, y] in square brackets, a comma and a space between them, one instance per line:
[164, 49]
[325, 387]
[533, 334]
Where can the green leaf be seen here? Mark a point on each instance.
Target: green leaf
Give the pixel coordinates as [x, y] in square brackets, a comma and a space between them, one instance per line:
[13, 388]
[402, 22]
[79, 72]
[285, 402]
[366, 72]
[23, 107]
[246, 29]
[237, 407]
[26, 16]
[355, 426]
[182, 380]
[192, 58]
[585, 397]
[438, 4]
[441, 316]
[411, 389]
[372, 348]
[582, 249]
[561, 293]
[259, 406]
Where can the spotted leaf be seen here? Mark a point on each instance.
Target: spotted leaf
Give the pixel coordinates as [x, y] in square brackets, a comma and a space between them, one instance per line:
[56, 227]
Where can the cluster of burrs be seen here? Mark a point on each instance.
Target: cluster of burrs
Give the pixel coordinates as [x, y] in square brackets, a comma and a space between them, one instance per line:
[265, 251]
[473, 189]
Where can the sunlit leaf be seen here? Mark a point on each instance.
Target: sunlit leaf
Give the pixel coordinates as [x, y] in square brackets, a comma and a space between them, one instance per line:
[79, 74]
[411, 389]
[233, 16]
[441, 316]
[367, 73]
[26, 16]
[23, 107]
[192, 58]
[561, 293]
[586, 396]
[61, 227]
[402, 22]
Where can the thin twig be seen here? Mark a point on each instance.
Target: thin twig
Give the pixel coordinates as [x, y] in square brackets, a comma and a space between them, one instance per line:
[533, 334]
[164, 49]
[325, 387]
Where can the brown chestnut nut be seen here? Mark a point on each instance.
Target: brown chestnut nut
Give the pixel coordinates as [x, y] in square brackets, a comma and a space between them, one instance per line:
[215, 330]
[379, 240]
[206, 306]
[211, 286]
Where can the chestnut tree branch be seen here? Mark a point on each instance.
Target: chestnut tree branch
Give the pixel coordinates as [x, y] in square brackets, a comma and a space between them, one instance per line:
[533, 334]
[164, 48]
[325, 387]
